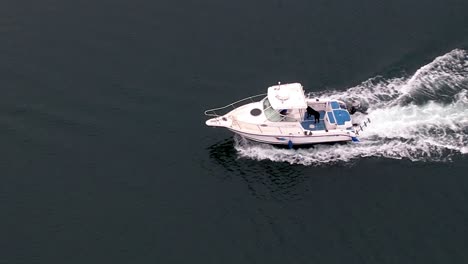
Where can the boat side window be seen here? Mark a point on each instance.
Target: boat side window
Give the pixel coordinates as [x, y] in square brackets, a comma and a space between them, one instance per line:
[266, 104]
[270, 113]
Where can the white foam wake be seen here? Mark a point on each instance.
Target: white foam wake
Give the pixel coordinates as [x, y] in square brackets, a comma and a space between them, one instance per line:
[423, 117]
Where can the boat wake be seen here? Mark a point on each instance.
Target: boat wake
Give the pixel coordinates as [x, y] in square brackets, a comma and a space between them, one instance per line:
[423, 117]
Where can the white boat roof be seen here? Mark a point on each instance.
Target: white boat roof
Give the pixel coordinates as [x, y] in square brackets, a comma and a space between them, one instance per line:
[287, 96]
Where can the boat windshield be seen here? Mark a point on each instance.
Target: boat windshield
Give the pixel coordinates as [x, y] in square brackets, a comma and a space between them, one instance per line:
[270, 113]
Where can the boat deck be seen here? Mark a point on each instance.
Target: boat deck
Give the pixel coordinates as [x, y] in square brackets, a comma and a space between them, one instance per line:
[309, 123]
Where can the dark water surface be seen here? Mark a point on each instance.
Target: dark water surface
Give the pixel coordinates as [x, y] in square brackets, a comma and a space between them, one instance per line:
[105, 157]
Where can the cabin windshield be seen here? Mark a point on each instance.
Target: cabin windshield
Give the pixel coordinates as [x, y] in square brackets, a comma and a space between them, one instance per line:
[270, 113]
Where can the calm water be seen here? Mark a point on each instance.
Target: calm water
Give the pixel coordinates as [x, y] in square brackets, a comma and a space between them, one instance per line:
[105, 157]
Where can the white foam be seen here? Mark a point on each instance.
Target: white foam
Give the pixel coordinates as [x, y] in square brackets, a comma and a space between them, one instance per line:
[464, 150]
[420, 118]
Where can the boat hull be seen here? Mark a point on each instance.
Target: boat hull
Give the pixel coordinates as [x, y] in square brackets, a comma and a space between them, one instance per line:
[316, 138]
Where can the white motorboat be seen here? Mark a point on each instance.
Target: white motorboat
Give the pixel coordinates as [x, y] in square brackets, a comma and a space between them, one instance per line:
[283, 117]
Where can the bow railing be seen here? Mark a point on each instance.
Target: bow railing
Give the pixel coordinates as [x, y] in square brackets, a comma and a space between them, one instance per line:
[220, 111]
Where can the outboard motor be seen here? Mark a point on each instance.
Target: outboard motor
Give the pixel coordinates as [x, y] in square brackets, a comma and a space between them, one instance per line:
[357, 107]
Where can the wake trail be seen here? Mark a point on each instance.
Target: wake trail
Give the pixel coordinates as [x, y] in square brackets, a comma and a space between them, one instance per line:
[423, 117]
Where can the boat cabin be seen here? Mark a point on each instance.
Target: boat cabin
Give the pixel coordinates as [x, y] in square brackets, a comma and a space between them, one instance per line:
[285, 102]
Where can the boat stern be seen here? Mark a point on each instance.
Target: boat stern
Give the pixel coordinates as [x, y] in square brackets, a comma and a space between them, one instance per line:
[354, 136]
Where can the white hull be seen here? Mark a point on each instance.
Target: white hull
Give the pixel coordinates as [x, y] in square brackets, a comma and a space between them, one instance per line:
[325, 137]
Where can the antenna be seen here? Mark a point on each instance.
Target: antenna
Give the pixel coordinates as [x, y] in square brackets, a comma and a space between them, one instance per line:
[279, 86]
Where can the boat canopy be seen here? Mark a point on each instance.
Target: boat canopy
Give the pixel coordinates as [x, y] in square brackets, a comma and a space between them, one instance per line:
[287, 96]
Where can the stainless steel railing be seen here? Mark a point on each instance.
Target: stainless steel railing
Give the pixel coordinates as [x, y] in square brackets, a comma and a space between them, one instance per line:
[220, 111]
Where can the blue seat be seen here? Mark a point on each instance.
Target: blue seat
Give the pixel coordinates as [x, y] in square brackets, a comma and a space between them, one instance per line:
[341, 116]
[331, 118]
[335, 105]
